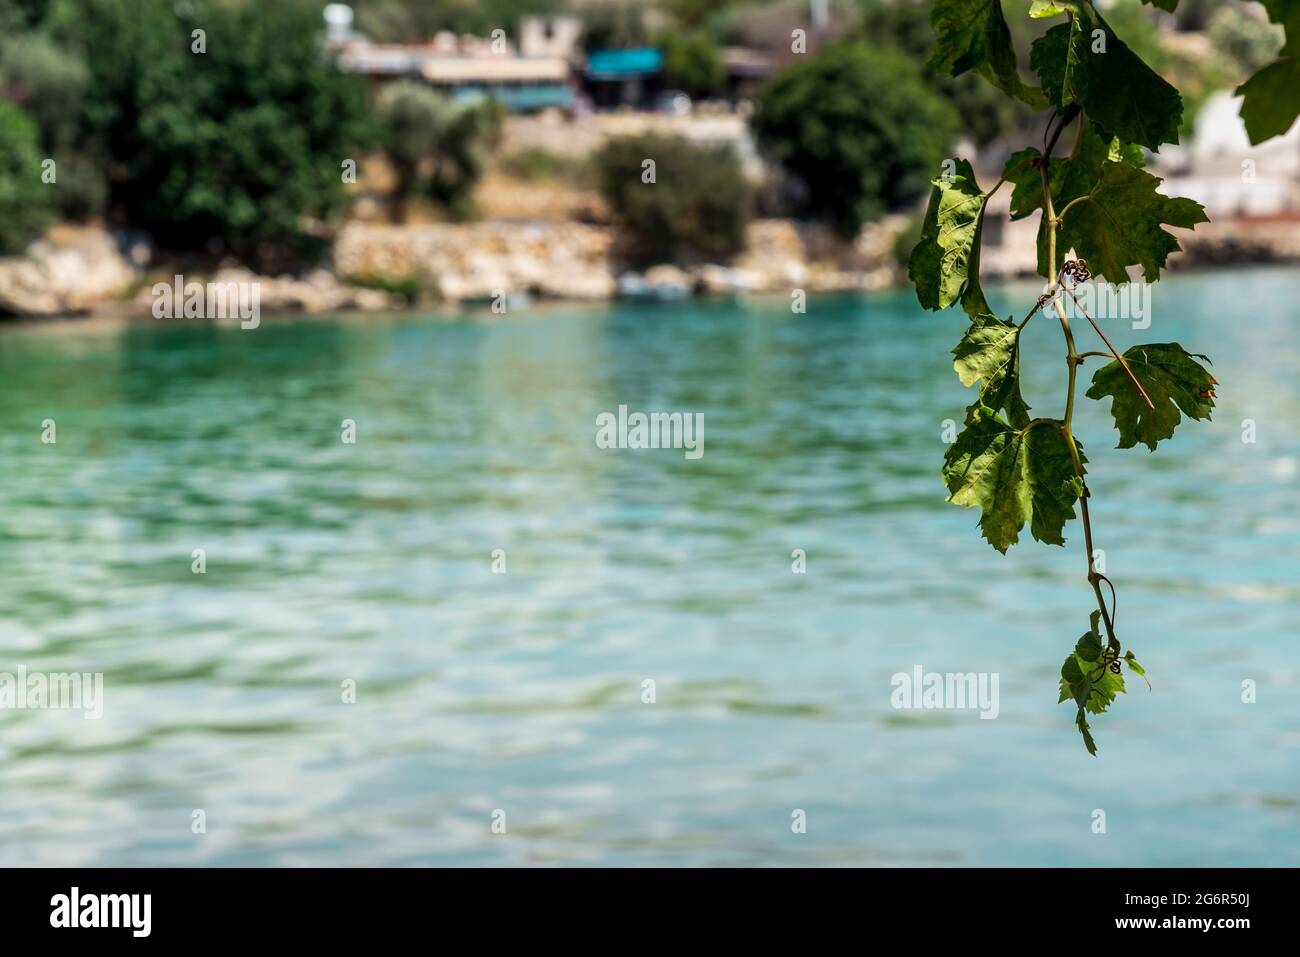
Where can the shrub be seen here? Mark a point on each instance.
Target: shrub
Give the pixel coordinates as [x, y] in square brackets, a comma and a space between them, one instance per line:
[24, 200]
[436, 147]
[410, 118]
[692, 62]
[696, 209]
[860, 129]
[535, 164]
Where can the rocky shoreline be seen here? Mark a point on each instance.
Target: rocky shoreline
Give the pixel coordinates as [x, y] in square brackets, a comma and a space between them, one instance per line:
[375, 267]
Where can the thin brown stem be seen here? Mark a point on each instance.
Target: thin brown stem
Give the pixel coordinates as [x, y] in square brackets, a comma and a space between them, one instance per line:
[1113, 351]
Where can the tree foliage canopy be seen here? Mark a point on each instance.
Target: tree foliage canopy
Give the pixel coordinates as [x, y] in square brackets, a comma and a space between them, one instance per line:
[859, 128]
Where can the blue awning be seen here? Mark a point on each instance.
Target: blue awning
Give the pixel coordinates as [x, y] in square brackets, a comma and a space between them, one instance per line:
[621, 64]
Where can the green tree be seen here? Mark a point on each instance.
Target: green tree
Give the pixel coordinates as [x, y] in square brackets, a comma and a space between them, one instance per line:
[692, 62]
[614, 26]
[49, 83]
[694, 14]
[410, 118]
[407, 21]
[436, 147]
[19, 15]
[696, 207]
[986, 114]
[857, 125]
[235, 145]
[25, 202]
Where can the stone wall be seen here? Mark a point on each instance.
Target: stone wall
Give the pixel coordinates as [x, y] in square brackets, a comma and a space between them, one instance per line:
[475, 260]
[573, 260]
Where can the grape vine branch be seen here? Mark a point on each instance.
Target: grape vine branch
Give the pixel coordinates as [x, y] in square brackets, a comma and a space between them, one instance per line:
[1100, 215]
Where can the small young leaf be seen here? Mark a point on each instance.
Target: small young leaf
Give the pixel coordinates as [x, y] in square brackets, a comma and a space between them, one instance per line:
[1105, 687]
[1081, 723]
[1172, 378]
[1089, 647]
[1086, 676]
[1074, 682]
[1135, 667]
[1080, 681]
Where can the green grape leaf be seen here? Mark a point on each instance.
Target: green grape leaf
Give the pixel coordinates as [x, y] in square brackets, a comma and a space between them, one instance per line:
[1022, 172]
[1053, 8]
[1089, 681]
[1071, 176]
[1074, 681]
[1270, 102]
[1014, 475]
[973, 35]
[1172, 378]
[1120, 223]
[1089, 647]
[988, 352]
[1108, 249]
[944, 265]
[1120, 94]
[1055, 58]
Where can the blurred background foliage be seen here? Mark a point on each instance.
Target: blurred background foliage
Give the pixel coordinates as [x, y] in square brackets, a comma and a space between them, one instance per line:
[238, 151]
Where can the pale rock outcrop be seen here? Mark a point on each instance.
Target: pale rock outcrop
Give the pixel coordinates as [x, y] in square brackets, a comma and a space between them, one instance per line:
[480, 260]
[72, 270]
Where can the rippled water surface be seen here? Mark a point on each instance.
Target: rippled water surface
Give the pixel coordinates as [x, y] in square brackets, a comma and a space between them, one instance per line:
[523, 691]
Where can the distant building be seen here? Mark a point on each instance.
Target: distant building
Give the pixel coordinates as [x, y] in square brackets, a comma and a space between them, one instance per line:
[624, 77]
[1220, 169]
[544, 71]
[635, 78]
[521, 84]
[467, 67]
[746, 70]
[550, 36]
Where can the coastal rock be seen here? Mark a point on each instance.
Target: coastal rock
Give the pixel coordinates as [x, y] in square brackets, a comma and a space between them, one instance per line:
[72, 270]
[717, 280]
[316, 292]
[774, 257]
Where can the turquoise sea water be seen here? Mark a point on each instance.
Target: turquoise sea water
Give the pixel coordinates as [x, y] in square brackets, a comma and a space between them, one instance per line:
[523, 691]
